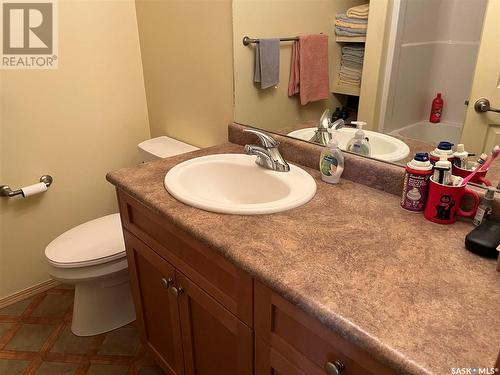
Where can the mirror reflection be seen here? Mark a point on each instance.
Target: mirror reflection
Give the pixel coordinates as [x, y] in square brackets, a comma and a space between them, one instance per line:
[401, 76]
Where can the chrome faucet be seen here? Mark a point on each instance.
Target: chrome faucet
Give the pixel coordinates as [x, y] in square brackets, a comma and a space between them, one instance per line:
[268, 156]
[322, 134]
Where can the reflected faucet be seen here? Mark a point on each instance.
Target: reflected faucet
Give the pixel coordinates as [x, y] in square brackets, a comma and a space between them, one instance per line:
[268, 156]
[322, 135]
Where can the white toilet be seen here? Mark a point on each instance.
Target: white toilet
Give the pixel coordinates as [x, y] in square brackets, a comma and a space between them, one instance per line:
[92, 257]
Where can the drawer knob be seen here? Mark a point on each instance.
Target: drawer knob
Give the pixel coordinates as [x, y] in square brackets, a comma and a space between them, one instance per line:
[177, 291]
[334, 368]
[167, 282]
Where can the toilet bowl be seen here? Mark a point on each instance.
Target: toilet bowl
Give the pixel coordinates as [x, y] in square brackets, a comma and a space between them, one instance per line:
[92, 257]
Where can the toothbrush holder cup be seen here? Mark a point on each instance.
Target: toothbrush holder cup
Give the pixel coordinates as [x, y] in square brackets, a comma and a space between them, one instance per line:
[479, 178]
[444, 202]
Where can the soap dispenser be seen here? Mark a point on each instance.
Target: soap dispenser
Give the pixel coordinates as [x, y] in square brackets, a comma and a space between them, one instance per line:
[359, 143]
[331, 162]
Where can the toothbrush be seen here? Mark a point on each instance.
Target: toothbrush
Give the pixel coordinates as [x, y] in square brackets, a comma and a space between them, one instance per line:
[485, 166]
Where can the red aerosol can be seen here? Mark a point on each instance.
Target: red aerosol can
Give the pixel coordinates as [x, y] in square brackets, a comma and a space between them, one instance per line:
[416, 183]
[436, 109]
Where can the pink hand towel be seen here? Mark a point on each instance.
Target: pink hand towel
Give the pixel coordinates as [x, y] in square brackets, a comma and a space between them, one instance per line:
[309, 68]
[293, 83]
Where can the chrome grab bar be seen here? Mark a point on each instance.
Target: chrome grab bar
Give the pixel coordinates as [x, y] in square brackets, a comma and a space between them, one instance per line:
[6, 191]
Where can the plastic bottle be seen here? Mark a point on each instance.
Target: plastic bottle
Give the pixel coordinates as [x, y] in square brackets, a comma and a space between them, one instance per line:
[442, 171]
[416, 183]
[482, 159]
[436, 109]
[337, 114]
[331, 162]
[485, 207]
[460, 156]
[359, 144]
[444, 147]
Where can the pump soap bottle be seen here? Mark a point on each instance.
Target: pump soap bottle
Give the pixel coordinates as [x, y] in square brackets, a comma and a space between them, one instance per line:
[331, 162]
[359, 143]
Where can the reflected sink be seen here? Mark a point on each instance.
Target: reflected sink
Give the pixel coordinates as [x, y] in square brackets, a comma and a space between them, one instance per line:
[234, 184]
[383, 147]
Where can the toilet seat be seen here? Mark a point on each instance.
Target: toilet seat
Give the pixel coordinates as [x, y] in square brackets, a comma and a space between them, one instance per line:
[92, 243]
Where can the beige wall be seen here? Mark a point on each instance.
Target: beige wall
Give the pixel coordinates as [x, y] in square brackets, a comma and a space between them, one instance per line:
[75, 123]
[272, 108]
[186, 48]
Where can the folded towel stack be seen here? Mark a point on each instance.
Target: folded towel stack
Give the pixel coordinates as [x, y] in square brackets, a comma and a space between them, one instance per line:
[354, 22]
[351, 65]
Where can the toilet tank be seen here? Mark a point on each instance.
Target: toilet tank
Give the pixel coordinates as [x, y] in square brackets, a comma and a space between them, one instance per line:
[163, 147]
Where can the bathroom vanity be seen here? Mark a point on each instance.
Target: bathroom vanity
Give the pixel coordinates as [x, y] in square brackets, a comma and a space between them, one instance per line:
[201, 314]
[345, 284]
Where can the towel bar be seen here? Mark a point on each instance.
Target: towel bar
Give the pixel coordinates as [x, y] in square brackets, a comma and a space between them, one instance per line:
[247, 40]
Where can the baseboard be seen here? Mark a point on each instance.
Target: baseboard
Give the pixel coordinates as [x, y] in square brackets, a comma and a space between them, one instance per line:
[28, 292]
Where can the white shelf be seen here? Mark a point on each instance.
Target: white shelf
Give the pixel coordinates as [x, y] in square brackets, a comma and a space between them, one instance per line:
[350, 39]
[346, 90]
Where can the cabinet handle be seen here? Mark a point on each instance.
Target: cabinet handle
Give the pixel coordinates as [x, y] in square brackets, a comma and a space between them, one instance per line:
[176, 291]
[334, 368]
[167, 282]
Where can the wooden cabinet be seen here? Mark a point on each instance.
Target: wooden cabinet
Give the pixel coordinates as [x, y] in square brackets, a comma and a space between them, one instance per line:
[214, 340]
[194, 308]
[186, 329]
[304, 343]
[196, 311]
[156, 307]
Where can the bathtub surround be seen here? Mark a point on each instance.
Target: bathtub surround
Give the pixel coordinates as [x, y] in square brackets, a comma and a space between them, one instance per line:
[436, 45]
[75, 123]
[402, 270]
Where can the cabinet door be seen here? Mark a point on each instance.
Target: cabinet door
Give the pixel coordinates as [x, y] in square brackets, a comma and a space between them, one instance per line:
[215, 341]
[156, 308]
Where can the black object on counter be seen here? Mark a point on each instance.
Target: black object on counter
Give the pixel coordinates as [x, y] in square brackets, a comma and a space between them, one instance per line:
[484, 239]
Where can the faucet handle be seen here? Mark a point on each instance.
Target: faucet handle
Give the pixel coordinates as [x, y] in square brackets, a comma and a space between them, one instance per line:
[266, 140]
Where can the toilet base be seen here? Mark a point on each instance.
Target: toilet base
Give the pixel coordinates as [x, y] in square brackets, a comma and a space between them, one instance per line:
[102, 305]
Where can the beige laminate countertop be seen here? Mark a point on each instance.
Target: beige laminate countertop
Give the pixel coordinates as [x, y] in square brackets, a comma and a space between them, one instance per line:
[402, 288]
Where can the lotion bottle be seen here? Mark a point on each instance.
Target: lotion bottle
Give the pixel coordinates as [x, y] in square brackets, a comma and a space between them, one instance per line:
[331, 162]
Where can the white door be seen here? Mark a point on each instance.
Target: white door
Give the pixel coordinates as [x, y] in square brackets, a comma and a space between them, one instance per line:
[482, 129]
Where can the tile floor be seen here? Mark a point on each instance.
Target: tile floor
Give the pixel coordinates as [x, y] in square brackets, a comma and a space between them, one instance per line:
[35, 338]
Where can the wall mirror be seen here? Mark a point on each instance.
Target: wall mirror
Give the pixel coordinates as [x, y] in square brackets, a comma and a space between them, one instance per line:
[407, 53]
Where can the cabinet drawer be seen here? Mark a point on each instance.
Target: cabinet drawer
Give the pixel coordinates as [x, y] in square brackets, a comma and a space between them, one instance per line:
[303, 340]
[229, 285]
[268, 361]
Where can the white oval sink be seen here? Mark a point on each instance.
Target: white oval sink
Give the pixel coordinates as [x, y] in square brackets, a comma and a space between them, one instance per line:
[383, 146]
[234, 184]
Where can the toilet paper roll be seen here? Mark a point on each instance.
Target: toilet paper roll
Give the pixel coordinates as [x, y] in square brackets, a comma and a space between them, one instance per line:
[33, 189]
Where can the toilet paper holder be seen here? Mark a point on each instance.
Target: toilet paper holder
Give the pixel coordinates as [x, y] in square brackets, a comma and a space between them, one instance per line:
[6, 191]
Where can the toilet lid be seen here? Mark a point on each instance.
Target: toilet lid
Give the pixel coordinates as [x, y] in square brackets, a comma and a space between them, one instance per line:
[94, 242]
